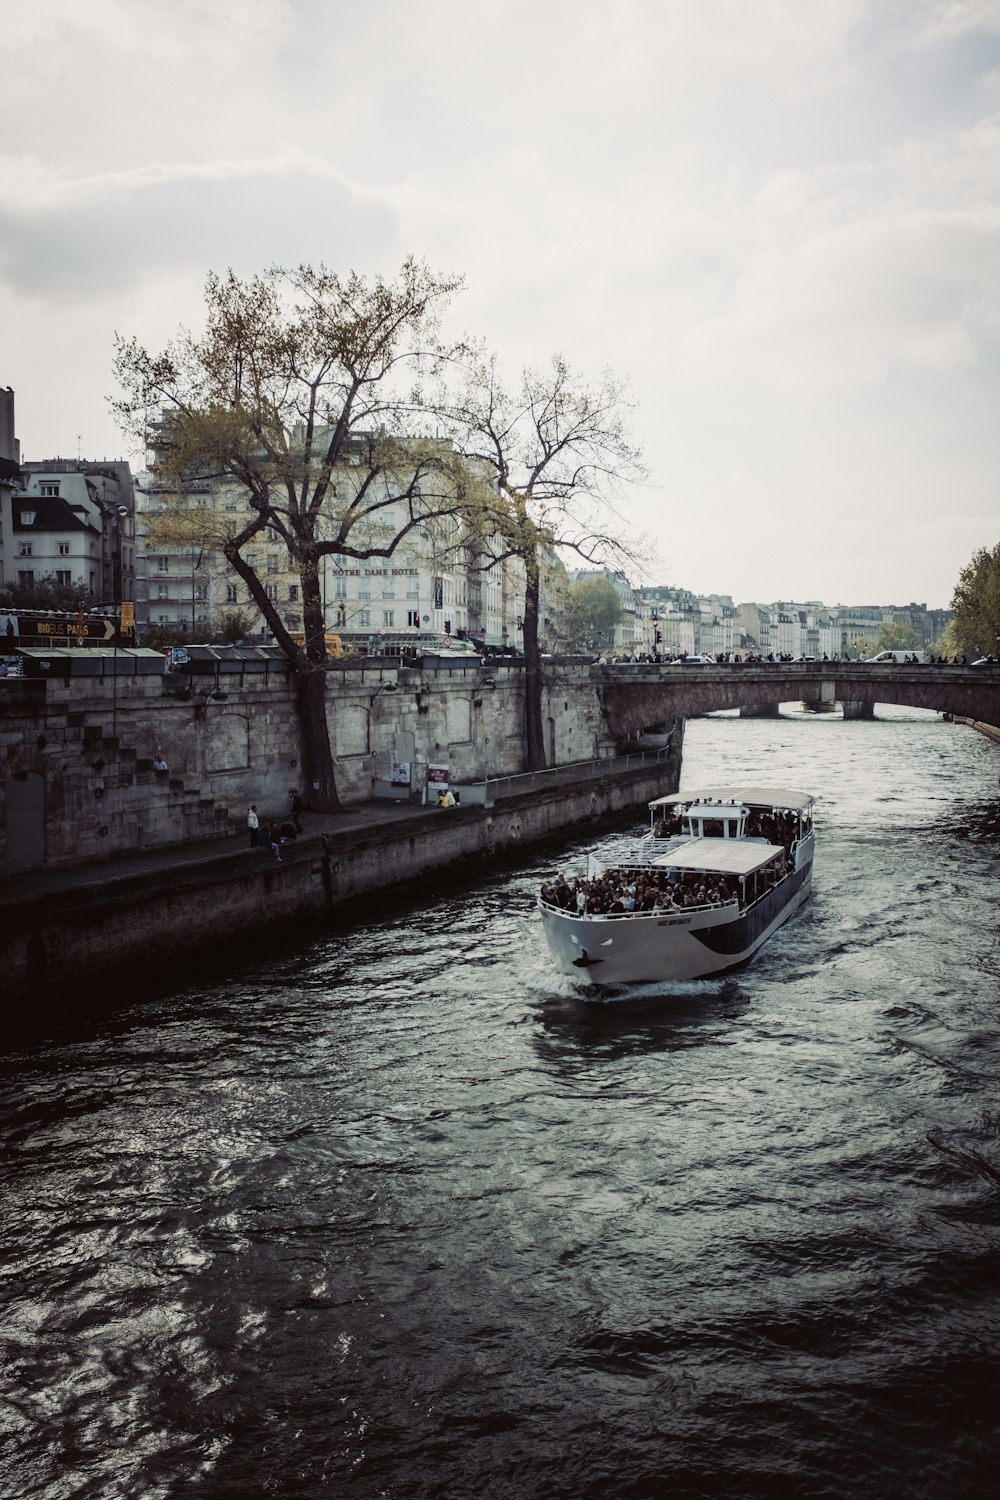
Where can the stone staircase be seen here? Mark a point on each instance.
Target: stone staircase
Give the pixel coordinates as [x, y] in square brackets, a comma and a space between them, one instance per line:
[114, 800]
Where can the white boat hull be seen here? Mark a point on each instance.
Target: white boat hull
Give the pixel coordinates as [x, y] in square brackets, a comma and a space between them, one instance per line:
[653, 946]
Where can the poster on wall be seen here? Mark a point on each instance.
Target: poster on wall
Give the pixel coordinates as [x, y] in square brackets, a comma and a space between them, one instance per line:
[400, 773]
[437, 779]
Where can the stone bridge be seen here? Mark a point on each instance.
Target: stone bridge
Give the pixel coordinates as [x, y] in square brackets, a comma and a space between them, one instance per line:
[641, 696]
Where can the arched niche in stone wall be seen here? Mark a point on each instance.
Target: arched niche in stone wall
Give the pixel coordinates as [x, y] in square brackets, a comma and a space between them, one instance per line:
[227, 742]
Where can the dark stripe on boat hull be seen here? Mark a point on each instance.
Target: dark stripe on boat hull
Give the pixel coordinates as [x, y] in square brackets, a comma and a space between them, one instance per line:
[746, 931]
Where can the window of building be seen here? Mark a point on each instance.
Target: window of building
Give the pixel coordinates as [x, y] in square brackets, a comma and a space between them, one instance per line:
[64, 549]
[388, 617]
[271, 590]
[365, 619]
[232, 593]
[50, 487]
[413, 587]
[413, 617]
[389, 589]
[24, 549]
[365, 591]
[293, 593]
[162, 592]
[163, 564]
[293, 622]
[201, 592]
[25, 577]
[340, 587]
[64, 577]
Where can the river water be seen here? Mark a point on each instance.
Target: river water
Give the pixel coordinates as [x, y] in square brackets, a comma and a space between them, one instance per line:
[394, 1213]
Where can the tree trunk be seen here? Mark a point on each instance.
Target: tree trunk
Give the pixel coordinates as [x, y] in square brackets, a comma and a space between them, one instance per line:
[320, 785]
[534, 753]
[320, 789]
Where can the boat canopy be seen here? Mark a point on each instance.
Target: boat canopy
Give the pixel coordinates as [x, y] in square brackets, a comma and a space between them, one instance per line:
[755, 796]
[720, 856]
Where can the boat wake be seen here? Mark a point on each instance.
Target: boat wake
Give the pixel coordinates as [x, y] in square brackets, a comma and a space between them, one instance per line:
[646, 993]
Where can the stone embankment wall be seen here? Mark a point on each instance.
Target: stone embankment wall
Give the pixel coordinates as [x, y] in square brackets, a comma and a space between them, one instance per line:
[990, 731]
[152, 923]
[82, 749]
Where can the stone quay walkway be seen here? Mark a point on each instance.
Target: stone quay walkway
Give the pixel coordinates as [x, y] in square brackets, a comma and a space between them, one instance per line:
[179, 862]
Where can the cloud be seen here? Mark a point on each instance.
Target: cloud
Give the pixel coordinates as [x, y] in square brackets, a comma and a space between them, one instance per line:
[779, 220]
[66, 237]
[840, 306]
[936, 22]
[180, 32]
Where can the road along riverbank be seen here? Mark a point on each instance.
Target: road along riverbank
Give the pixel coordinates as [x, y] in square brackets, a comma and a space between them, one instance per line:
[134, 916]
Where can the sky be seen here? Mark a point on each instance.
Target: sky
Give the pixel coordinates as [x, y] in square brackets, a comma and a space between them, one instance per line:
[780, 222]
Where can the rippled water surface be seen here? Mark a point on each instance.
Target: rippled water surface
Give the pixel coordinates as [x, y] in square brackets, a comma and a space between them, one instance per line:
[396, 1214]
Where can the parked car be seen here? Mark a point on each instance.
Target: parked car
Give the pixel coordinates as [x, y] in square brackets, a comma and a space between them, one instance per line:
[897, 656]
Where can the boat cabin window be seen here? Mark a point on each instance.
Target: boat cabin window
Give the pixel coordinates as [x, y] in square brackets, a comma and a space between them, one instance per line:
[716, 820]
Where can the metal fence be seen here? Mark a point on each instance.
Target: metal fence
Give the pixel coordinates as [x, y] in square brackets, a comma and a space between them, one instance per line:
[495, 788]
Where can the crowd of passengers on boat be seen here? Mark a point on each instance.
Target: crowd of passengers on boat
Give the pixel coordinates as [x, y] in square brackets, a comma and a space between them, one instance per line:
[634, 891]
[630, 892]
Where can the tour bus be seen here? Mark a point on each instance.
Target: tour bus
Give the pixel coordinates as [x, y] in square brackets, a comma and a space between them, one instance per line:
[409, 645]
[334, 645]
[406, 645]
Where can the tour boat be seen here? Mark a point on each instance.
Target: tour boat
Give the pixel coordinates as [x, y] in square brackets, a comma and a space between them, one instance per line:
[718, 872]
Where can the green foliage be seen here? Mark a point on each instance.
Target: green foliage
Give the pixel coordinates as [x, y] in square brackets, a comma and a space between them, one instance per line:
[975, 626]
[46, 593]
[591, 610]
[162, 637]
[236, 625]
[896, 635]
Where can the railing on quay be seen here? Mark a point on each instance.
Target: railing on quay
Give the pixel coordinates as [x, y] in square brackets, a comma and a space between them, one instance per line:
[496, 788]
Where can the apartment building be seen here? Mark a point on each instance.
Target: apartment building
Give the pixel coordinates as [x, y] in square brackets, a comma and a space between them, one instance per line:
[73, 524]
[433, 580]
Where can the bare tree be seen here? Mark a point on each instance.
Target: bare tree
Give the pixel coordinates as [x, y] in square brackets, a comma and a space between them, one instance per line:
[305, 391]
[553, 454]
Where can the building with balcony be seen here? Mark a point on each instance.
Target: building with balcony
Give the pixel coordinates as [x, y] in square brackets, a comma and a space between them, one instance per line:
[434, 578]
